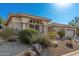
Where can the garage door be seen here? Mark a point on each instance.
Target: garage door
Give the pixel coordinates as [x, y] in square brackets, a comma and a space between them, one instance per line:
[69, 33]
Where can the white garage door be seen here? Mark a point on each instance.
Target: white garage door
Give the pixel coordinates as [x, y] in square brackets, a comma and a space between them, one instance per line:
[69, 33]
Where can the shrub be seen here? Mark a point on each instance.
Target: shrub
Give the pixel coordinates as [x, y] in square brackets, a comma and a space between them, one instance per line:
[26, 36]
[61, 33]
[5, 34]
[44, 41]
[30, 36]
[16, 31]
[52, 35]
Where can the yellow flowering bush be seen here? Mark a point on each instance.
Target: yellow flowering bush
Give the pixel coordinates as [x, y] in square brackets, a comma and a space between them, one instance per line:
[52, 35]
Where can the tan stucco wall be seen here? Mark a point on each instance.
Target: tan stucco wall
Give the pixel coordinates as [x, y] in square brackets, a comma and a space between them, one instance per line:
[45, 22]
[23, 19]
[16, 23]
[15, 19]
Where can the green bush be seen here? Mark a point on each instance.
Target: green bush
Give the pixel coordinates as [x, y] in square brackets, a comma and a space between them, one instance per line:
[26, 36]
[61, 33]
[30, 36]
[5, 34]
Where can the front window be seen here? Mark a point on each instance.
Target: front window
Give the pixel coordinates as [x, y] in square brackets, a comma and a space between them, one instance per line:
[36, 27]
[31, 26]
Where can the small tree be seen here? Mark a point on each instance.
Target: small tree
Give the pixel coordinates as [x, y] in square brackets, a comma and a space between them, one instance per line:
[61, 33]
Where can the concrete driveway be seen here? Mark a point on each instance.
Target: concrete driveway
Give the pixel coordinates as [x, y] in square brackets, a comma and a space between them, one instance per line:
[11, 48]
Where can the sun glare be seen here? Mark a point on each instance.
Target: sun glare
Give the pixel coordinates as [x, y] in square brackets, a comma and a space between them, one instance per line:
[63, 4]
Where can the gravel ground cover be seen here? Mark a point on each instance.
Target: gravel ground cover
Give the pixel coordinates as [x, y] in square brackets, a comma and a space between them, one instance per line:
[11, 48]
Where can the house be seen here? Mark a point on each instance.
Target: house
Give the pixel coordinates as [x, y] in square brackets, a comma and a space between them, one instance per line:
[25, 21]
[70, 31]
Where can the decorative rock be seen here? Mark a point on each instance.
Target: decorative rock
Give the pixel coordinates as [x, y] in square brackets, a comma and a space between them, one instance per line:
[29, 52]
[55, 43]
[12, 38]
[1, 40]
[37, 48]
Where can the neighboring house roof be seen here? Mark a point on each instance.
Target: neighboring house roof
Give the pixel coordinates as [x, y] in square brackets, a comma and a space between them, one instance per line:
[25, 15]
[61, 25]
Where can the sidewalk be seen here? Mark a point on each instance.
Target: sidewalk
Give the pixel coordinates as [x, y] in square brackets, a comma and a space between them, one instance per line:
[74, 53]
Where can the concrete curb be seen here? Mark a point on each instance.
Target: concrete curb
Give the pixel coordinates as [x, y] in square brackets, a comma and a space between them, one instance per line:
[71, 53]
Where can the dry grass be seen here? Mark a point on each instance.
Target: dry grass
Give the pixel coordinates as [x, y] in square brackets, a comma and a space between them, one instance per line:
[62, 48]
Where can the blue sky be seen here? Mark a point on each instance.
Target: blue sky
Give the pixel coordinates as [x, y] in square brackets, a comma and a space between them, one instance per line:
[58, 13]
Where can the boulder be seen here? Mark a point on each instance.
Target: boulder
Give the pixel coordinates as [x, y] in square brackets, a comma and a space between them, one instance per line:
[37, 48]
[13, 38]
[55, 43]
[1, 40]
[30, 52]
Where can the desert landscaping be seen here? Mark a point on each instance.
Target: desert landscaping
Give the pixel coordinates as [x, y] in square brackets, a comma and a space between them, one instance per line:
[26, 35]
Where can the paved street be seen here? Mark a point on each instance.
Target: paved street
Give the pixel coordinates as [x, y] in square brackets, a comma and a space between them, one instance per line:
[74, 53]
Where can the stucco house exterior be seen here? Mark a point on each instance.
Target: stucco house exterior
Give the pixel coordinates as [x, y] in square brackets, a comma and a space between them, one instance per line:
[70, 31]
[25, 21]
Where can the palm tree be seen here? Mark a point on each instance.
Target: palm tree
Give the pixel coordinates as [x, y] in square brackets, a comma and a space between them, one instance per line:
[74, 22]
